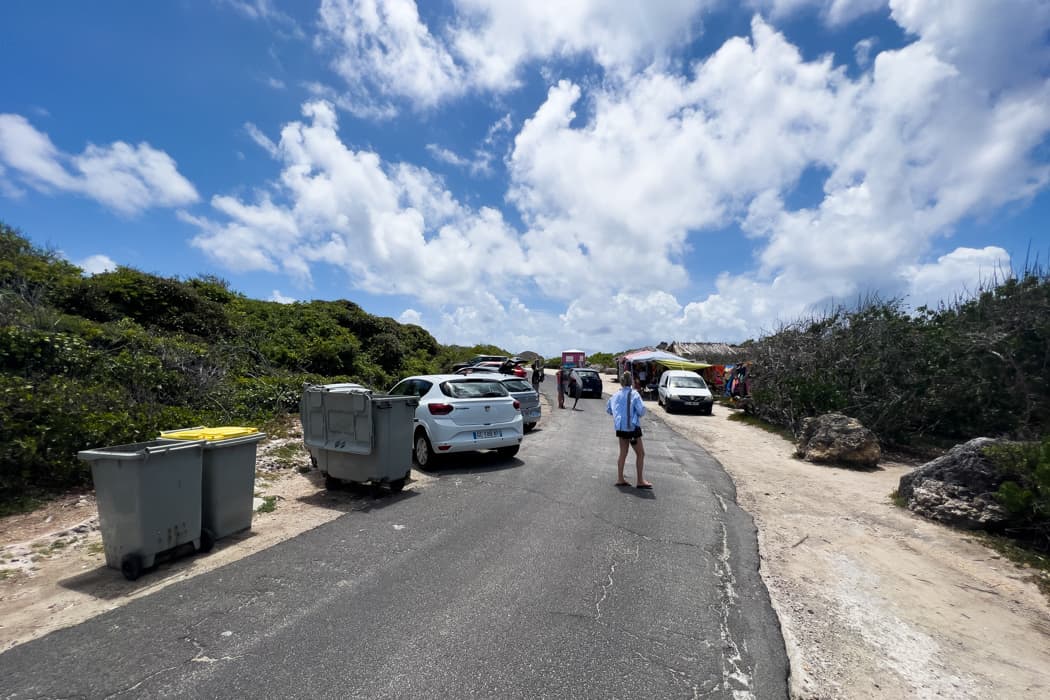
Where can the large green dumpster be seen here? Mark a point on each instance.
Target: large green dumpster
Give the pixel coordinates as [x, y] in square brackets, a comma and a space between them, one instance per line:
[356, 436]
[149, 500]
[228, 479]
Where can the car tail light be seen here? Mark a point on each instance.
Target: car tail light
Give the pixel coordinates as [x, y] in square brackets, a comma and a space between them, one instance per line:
[519, 372]
[440, 409]
[517, 404]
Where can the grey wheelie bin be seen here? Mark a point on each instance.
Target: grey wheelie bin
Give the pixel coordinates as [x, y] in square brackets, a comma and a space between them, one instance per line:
[149, 500]
[355, 436]
[228, 480]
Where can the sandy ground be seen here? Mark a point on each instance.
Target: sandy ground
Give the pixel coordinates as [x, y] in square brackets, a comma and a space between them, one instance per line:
[53, 572]
[873, 601]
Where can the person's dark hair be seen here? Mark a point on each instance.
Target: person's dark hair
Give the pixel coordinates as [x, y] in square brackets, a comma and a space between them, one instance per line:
[626, 379]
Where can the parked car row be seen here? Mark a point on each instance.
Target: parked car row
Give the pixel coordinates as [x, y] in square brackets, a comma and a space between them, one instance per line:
[480, 410]
[482, 363]
[506, 367]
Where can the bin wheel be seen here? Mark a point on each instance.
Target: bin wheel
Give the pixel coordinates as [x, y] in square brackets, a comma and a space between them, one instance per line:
[331, 483]
[398, 484]
[423, 452]
[131, 566]
[207, 541]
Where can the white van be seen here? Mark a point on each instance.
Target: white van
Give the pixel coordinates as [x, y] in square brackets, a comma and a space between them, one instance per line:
[684, 389]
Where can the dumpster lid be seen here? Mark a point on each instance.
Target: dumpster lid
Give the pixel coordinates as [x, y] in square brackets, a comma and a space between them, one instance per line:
[202, 433]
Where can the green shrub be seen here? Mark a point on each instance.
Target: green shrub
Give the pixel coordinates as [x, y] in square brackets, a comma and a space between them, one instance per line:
[1026, 492]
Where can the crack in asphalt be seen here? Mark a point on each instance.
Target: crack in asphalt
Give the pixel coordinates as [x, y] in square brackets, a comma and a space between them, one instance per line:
[605, 593]
[735, 679]
[145, 678]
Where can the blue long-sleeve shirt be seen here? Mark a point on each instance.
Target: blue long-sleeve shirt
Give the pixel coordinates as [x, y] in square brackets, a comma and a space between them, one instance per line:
[617, 408]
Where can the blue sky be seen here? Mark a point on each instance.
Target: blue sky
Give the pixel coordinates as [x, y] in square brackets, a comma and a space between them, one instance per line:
[591, 174]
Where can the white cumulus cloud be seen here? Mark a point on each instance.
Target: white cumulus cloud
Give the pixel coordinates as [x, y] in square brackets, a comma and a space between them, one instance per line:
[128, 179]
[619, 182]
[383, 49]
[382, 46]
[96, 264]
[393, 228]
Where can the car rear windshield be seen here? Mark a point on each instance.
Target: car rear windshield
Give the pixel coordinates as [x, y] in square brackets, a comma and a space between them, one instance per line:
[470, 388]
[588, 374]
[517, 385]
[688, 382]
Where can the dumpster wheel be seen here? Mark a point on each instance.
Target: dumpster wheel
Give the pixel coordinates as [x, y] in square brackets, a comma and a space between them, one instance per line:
[398, 484]
[131, 566]
[332, 484]
[207, 541]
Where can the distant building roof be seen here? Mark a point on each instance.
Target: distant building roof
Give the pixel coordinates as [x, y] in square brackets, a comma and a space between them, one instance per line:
[715, 353]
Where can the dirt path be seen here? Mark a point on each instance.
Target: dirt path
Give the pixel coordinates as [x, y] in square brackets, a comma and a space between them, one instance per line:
[874, 602]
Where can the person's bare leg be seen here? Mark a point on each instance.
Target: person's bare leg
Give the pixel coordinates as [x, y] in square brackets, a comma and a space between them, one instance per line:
[639, 463]
[620, 461]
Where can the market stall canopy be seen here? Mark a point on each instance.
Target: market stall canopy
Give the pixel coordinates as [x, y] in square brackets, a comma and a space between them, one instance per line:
[664, 358]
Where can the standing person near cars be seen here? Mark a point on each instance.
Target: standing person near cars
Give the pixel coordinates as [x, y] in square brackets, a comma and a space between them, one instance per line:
[559, 377]
[574, 389]
[626, 408]
[537, 374]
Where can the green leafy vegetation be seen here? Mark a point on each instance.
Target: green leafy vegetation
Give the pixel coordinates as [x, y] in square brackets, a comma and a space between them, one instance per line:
[980, 367]
[1026, 491]
[269, 505]
[114, 358]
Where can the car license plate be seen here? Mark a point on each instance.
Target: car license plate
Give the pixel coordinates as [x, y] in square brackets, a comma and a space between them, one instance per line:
[692, 403]
[486, 434]
[534, 412]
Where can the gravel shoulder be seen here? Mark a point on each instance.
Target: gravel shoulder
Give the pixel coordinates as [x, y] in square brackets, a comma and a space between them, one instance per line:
[873, 601]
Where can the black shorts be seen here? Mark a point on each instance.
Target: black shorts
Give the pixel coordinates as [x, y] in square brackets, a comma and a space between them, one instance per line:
[637, 433]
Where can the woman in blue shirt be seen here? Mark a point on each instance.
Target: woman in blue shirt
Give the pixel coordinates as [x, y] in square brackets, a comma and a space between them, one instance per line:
[627, 409]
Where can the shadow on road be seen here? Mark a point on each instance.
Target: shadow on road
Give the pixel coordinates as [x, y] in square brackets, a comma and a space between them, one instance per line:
[108, 584]
[473, 463]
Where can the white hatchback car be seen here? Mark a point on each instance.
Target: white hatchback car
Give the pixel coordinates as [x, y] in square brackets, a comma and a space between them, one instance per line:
[683, 389]
[459, 413]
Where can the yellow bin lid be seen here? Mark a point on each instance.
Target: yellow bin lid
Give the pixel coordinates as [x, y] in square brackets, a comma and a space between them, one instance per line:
[227, 432]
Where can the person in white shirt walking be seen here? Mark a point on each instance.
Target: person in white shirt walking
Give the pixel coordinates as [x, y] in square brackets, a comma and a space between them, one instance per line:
[626, 408]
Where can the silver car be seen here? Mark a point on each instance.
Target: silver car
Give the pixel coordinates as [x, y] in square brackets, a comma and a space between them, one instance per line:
[461, 414]
[527, 396]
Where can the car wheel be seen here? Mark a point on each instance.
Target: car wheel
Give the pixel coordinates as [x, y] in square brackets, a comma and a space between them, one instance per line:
[528, 427]
[508, 452]
[709, 410]
[422, 452]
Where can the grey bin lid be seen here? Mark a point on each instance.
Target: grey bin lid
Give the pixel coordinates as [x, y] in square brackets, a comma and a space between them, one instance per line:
[139, 451]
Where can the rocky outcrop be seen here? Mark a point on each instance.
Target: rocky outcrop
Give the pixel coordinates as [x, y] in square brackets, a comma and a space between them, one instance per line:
[837, 439]
[957, 488]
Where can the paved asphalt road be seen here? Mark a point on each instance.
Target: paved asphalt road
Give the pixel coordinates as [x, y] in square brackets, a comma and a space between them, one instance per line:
[527, 578]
